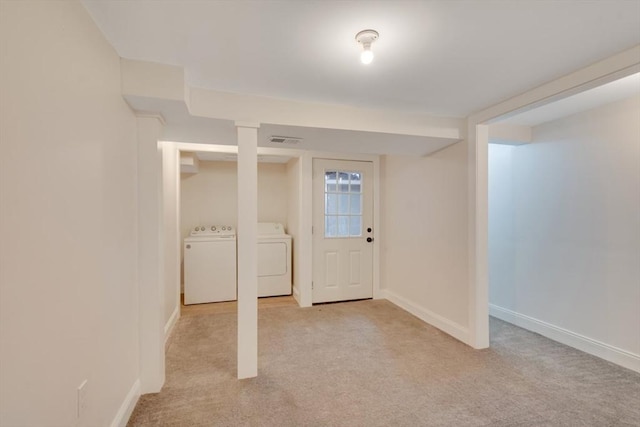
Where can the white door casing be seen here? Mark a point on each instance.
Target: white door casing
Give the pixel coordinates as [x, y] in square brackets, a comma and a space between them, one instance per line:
[342, 230]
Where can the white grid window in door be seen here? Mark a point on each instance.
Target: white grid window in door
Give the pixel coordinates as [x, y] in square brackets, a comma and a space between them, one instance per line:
[342, 204]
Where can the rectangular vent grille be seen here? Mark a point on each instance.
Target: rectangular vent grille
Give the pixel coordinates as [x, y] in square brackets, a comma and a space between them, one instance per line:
[285, 140]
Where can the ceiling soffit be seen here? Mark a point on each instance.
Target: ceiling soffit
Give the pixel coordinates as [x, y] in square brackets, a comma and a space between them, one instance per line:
[161, 88]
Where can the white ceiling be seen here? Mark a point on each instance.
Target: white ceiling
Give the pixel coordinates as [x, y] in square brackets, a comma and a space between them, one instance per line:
[447, 58]
[619, 89]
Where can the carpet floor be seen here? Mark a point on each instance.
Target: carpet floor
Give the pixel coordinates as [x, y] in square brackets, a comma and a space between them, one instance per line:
[370, 363]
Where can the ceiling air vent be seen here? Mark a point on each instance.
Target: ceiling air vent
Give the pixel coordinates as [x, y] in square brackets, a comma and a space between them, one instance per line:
[285, 140]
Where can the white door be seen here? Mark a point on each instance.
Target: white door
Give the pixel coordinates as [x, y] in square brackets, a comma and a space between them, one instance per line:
[342, 230]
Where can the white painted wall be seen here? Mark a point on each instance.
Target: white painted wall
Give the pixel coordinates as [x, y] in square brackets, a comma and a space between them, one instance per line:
[211, 195]
[574, 231]
[150, 255]
[502, 251]
[424, 240]
[293, 219]
[172, 244]
[273, 193]
[68, 292]
[304, 242]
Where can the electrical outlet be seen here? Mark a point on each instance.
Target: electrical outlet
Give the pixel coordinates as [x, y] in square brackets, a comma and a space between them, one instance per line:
[82, 398]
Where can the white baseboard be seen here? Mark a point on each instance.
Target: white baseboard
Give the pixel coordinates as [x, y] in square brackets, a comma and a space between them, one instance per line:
[452, 328]
[128, 405]
[296, 294]
[171, 323]
[588, 345]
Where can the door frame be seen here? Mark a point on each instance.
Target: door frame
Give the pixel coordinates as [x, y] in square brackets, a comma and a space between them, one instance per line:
[374, 215]
[308, 213]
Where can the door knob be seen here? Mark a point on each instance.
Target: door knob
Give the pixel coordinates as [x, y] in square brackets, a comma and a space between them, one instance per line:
[369, 239]
[369, 230]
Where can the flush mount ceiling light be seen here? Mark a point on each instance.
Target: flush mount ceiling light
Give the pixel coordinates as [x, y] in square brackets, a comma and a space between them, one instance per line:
[366, 38]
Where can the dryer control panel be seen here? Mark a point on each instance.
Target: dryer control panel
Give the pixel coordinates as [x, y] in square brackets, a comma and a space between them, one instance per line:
[214, 230]
[270, 228]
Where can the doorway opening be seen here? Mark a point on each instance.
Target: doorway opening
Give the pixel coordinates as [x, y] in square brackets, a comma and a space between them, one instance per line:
[563, 205]
[208, 205]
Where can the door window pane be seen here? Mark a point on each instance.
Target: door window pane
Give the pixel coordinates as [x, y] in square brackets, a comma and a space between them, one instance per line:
[343, 226]
[330, 226]
[355, 182]
[331, 204]
[343, 204]
[343, 182]
[330, 181]
[355, 205]
[355, 226]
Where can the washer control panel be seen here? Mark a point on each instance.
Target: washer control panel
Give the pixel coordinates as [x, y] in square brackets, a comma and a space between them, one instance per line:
[213, 230]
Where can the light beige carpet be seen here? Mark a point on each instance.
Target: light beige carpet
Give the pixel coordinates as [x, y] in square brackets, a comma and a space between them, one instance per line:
[369, 363]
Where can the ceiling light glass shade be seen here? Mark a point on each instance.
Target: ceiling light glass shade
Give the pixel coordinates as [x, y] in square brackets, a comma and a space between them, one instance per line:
[366, 56]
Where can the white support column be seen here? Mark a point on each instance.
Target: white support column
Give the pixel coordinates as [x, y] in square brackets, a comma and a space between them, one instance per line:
[171, 234]
[305, 241]
[150, 255]
[478, 143]
[247, 249]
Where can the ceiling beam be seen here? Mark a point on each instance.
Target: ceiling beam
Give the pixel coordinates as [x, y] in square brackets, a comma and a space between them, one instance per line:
[165, 82]
[613, 68]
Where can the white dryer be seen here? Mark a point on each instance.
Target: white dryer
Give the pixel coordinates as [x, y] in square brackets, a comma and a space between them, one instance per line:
[210, 264]
[274, 260]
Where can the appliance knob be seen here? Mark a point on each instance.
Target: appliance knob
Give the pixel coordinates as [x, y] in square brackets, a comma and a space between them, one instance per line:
[213, 228]
[224, 228]
[197, 228]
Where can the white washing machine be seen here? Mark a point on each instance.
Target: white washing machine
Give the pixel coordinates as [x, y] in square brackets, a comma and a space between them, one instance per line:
[274, 260]
[210, 264]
